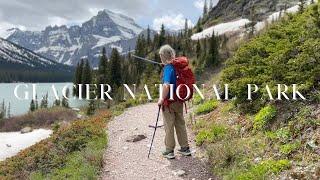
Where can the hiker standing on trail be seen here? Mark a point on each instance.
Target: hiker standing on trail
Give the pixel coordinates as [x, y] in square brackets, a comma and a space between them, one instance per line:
[173, 112]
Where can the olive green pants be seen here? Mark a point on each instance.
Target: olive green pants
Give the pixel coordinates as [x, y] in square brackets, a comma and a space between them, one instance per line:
[173, 119]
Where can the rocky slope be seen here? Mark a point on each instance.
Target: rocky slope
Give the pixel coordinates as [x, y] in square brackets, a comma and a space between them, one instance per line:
[227, 10]
[69, 44]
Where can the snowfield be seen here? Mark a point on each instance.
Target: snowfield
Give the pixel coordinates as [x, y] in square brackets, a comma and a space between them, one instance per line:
[221, 29]
[239, 24]
[12, 143]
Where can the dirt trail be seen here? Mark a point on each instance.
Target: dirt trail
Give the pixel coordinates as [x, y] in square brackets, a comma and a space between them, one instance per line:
[128, 160]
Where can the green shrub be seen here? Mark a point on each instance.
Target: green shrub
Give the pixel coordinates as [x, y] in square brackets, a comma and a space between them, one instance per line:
[73, 151]
[289, 148]
[215, 132]
[262, 170]
[264, 116]
[206, 107]
[197, 99]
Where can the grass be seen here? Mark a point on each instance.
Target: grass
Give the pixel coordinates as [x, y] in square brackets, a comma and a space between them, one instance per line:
[206, 107]
[72, 152]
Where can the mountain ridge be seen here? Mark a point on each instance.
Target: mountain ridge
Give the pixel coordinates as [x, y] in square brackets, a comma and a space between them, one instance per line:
[68, 45]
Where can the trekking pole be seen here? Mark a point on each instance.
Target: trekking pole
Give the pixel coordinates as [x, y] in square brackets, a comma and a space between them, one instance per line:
[154, 133]
[146, 60]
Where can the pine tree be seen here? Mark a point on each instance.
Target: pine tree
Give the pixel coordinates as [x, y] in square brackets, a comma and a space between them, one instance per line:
[2, 110]
[205, 9]
[316, 16]
[210, 5]
[198, 49]
[103, 71]
[44, 102]
[78, 77]
[32, 106]
[148, 37]
[253, 21]
[36, 102]
[115, 68]
[91, 108]
[57, 102]
[302, 4]
[64, 101]
[198, 26]
[86, 76]
[162, 37]
[186, 28]
[9, 111]
[213, 55]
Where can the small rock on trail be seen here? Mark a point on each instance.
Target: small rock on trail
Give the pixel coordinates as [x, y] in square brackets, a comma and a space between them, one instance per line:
[136, 138]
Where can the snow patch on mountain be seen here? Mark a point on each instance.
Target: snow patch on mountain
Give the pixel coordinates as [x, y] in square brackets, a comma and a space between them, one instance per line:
[221, 29]
[104, 40]
[13, 53]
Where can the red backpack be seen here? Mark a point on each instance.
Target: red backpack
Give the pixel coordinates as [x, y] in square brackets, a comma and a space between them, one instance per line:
[186, 77]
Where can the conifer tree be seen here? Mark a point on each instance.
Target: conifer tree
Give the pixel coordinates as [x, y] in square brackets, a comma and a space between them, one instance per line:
[210, 5]
[162, 37]
[302, 4]
[103, 71]
[32, 106]
[44, 102]
[198, 49]
[316, 15]
[253, 21]
[9, 111]
[91, 108]
[115, 68]
[212, 56]
[205, 9]
[36, 102]
[2, 110]
[148, 37]
[186, 28]
[86, 76]
[57, 102]
[64, 101]
[198, 26]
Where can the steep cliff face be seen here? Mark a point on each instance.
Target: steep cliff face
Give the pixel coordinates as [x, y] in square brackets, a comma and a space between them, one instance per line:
[227, 10]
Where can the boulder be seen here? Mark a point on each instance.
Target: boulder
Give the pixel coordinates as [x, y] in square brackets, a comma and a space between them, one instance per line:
[26, 130]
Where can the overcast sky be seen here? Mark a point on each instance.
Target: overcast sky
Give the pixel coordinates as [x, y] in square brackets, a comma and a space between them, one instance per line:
[37, 14]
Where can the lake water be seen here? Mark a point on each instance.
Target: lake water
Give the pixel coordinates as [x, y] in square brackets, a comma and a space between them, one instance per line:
[19, 107]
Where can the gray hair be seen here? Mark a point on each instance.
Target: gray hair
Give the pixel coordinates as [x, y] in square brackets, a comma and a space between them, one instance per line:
[167, 53]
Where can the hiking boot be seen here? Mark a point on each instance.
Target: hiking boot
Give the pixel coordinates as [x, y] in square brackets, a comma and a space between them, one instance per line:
[185, 151]
[169, 154]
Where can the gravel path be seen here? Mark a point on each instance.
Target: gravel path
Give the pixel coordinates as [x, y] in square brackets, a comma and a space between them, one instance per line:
[128, 160]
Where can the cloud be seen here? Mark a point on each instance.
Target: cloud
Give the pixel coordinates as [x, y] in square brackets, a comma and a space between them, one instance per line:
[36, 15]
[174, 22]
[5, 26]
[200, 3]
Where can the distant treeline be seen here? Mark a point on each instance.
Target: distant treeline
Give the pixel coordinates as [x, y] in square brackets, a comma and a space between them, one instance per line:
[12, 72]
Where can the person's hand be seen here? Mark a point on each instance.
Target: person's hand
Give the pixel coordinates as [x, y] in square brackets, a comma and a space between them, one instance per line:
[160, 102]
